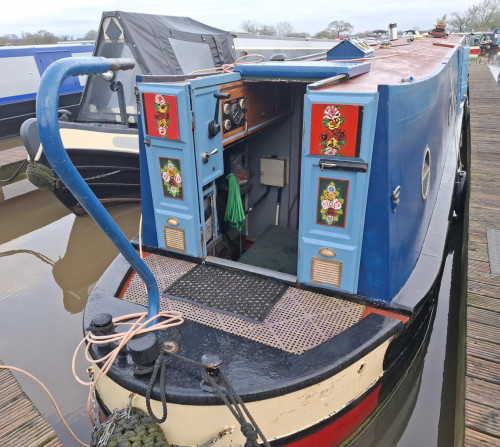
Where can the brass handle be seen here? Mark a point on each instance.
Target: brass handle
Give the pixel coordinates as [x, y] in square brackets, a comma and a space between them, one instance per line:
[328, 252]
[173, 221]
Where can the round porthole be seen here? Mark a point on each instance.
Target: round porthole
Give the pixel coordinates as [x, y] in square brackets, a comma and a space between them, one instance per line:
[426, 173]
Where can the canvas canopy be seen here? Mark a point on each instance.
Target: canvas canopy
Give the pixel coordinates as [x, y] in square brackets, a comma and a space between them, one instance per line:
[160, 45]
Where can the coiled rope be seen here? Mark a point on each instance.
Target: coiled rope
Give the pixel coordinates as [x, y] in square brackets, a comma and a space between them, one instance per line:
[137, 327]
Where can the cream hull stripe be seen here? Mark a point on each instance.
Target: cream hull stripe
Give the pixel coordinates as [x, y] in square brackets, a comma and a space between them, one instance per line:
[85, 139]
[277, 417]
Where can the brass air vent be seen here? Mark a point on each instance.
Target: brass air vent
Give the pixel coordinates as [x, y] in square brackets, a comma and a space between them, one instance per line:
[326, 271]
[175, 239]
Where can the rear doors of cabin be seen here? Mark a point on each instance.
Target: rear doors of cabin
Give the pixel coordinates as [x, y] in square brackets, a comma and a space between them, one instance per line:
[336, 154]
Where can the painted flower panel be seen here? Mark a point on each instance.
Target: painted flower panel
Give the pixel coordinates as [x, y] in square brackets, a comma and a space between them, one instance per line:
[335, 129]
[171, 177]
[161, 115]
[332, 202]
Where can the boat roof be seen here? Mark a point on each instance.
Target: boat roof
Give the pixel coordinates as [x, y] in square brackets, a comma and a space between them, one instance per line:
[397, 64]
[389, 66]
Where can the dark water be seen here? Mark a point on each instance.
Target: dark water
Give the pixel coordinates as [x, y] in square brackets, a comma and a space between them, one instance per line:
[49, 261]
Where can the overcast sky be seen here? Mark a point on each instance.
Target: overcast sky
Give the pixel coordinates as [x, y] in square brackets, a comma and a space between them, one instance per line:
[76, 18]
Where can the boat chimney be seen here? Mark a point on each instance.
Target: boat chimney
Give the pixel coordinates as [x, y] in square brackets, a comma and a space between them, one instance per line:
[393, 31]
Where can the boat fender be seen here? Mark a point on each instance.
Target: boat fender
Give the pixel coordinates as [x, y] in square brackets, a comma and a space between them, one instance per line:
[137, 429]
[41, 176]
[460, 193]
[30, 137]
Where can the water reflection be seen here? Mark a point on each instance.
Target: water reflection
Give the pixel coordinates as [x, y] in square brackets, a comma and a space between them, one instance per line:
[87, 253]
[49, 260]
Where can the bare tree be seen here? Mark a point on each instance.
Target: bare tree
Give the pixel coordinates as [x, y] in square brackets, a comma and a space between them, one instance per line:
[460, 21]
[9, 39]
[91, 35]
[250, 26]
[267, 30]
[339, 26]
[38, 38]
[482, 15]
[284, 29]
[302, 35]
[325, 34]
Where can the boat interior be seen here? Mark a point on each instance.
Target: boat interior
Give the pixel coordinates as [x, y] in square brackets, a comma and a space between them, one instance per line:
[266, 163]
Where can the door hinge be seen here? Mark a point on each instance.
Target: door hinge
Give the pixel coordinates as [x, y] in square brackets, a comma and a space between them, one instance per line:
[136, 93]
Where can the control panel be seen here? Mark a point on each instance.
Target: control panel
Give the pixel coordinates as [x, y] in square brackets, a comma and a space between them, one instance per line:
[234, 113]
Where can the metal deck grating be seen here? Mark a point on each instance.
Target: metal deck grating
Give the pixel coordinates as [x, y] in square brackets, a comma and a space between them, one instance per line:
[299, 321]
[234, 292]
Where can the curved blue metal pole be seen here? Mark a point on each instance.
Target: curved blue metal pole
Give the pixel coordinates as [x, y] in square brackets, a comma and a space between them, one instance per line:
[48, 127]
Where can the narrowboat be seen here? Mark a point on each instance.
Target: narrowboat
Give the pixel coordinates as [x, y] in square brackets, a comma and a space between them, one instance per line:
[22, 68]
[101, 140]
[294, 223]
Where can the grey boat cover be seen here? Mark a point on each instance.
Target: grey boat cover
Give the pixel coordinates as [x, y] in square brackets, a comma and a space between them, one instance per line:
[169, 45]
[160, 45]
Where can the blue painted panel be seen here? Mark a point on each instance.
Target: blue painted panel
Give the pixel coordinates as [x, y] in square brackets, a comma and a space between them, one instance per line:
[411, 117]
[18, 98]
[464, 73]
[346, 240]
[350, 49]
[184, 207]
[32, 50]
[313, 69]
[44, 58]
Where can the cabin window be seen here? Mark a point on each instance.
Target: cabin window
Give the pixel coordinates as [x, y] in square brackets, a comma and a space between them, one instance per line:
[101, 101]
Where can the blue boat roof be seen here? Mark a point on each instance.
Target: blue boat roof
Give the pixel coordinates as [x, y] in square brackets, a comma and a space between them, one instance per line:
[309, 69]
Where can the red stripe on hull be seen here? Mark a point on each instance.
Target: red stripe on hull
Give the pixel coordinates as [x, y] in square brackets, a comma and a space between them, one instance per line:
[126, 284]
[338, 431]
[386, 313]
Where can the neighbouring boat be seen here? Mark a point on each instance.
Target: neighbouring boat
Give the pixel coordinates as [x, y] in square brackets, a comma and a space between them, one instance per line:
[102, 139]
[22, 68]
[296, 215]
[483, 42]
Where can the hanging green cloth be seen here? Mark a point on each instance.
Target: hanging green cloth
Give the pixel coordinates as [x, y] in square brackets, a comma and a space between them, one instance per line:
[235, 214]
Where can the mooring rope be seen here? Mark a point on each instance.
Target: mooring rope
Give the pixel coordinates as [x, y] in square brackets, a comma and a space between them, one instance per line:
[137, 327]
[18, 171]
[228, 68]
[220, 383]
[31, 376]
